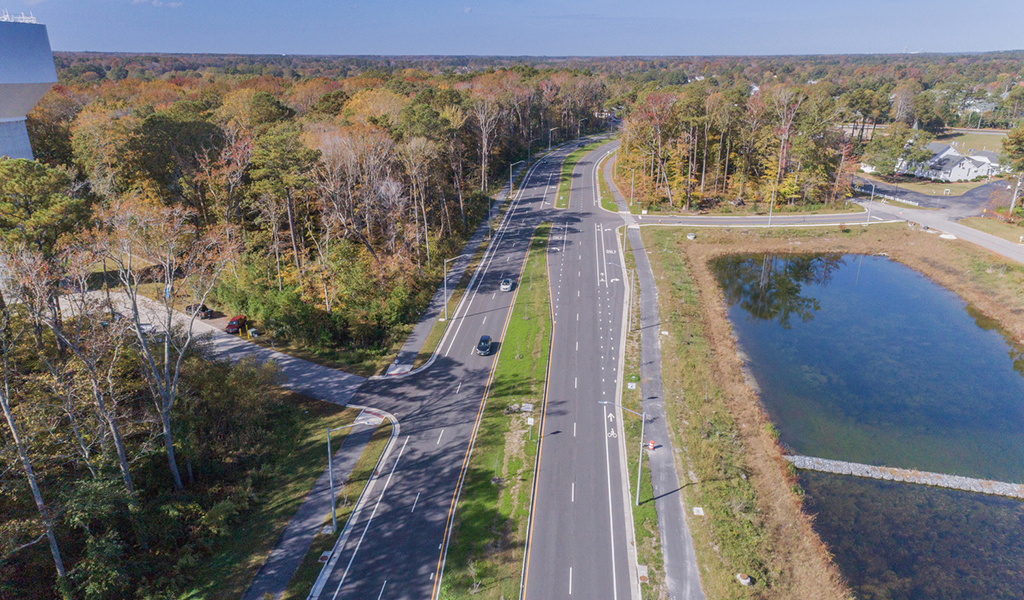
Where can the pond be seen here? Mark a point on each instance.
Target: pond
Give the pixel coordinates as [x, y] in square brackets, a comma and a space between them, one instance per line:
[860, 358]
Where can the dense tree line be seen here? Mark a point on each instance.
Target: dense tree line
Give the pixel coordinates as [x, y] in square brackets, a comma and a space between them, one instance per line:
[322, 207]
[700, 145]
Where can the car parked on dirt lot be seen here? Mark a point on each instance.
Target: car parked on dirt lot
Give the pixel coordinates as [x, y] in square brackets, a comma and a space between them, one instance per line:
[200, 310]
[237, 324]
[506, 285]
[483, 348]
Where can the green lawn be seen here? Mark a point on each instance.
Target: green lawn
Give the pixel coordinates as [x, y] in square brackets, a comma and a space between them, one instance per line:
[967, 143]
[1002, 229]
[565, 182]
[607, 199]
[486, 553]
[280, 487]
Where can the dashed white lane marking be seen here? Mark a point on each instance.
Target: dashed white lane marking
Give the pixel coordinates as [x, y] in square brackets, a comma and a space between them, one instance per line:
[381, 594]
[439, 437]
[570, 581]
[414, 502]
[484, 321]
[574, 429]
[575, 382]
[458, 388]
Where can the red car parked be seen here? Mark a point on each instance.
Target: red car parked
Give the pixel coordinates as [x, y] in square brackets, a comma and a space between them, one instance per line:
[237, 324]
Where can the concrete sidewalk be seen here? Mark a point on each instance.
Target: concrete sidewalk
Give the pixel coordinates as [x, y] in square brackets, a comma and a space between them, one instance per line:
[681, 574]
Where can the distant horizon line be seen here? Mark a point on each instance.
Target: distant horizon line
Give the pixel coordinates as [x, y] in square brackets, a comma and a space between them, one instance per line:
[550, 57]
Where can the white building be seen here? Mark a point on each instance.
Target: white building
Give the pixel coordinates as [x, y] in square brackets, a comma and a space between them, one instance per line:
[947, 164]
[26, 74]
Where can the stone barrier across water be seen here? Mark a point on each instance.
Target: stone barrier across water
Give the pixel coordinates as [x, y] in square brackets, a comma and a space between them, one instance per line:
[953, 482]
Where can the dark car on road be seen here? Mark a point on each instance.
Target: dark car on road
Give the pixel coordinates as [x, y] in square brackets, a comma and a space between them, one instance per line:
[483, 348]
[237, 324]
[200, 310]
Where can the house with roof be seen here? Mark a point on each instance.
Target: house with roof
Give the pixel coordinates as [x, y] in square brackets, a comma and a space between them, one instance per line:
[948, 164]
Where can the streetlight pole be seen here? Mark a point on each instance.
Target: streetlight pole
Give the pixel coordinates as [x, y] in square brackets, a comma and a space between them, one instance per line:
[578, 124]
[549, 137]
[1013, 201]
[632, 180]
[510, 167]
[871, 203]
[446, 284]
[528, 145]
[330, 470]
[640, 458]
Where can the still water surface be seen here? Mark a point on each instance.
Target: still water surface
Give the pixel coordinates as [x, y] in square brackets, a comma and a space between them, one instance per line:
[860, 358]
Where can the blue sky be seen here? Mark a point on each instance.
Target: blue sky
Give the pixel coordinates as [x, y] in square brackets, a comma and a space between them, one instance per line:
[529, 27]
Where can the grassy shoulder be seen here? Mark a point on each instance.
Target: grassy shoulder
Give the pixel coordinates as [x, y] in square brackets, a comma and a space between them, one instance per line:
[732, 465]
[996, 227]
[607, 199]
[645, 515]
[347, 496]
[486, 552]
[280, 487]
[568, 165]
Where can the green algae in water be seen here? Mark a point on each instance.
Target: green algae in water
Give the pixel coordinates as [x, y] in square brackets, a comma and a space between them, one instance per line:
[862, 359]
[899, 541]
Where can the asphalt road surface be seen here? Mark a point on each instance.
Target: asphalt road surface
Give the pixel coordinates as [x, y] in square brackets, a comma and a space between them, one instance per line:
[396, 545]
[581, 531]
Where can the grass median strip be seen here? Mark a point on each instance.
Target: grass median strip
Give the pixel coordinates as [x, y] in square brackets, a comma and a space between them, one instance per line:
[568, 165]
[486, 552]
[607, 199]
[645, 516]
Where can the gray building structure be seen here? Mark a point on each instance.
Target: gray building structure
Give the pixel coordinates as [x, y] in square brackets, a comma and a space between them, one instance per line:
[27, 72]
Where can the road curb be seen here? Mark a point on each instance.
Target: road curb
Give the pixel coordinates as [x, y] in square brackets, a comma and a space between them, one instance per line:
[328, 567]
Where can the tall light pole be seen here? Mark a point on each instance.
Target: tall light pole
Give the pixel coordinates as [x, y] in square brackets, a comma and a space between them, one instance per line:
[549, 137]
[510, 168]
[632, 180]
[1013, 201]
[640, 458]
[870, 204]
[446, 284]
[330, 470]
[578, 124]
[528, 145]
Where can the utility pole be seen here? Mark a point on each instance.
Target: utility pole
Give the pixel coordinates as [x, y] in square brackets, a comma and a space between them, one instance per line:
[549, 137]
[446, 285]
[1013, 201]
[872, 203]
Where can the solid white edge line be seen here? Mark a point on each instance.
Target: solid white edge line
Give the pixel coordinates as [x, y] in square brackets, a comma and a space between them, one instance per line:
[634, 567]
[328, 568]
[370, 520]
[611, 509]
